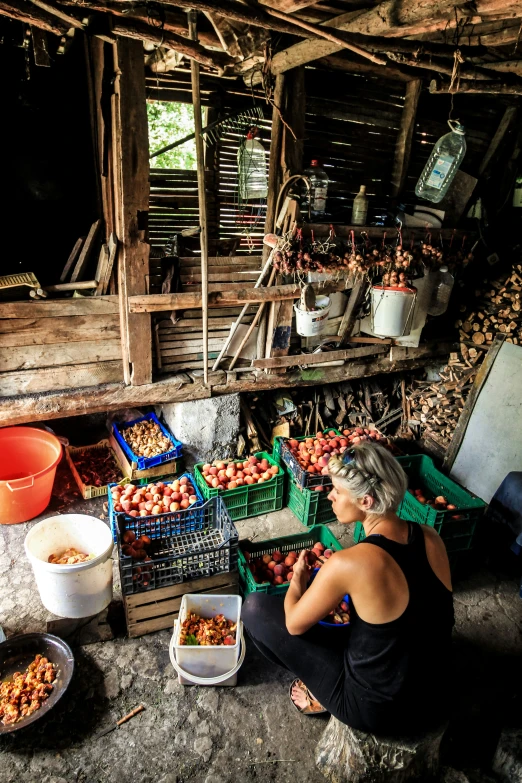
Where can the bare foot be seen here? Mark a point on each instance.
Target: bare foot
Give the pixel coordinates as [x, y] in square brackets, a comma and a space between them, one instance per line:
[303, 699]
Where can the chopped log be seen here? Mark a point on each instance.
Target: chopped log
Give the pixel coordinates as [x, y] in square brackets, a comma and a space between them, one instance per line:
[345, 755]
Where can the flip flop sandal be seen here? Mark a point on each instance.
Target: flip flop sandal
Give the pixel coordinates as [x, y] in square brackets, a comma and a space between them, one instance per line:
[313, 707]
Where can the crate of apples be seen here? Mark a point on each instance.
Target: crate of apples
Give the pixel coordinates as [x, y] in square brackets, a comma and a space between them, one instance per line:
[153, 499]
[231, 475]
[278, 568]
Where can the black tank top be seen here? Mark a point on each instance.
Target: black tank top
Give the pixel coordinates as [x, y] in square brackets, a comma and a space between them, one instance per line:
[400, 668]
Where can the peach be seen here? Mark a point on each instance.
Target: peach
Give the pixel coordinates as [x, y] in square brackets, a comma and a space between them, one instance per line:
[277, 556]
[278, 580]
[213, 471]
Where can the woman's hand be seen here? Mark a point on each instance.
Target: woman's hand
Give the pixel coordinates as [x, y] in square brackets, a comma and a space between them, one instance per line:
[301, 568]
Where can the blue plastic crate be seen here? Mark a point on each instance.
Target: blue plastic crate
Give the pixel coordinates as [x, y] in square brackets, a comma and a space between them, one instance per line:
[156, 522]
[142, 463]
[189, 545]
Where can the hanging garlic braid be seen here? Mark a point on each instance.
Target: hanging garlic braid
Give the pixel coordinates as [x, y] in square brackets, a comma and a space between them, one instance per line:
[373, 472]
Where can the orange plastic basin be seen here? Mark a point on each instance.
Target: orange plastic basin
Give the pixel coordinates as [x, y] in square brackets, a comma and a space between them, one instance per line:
[28, 461]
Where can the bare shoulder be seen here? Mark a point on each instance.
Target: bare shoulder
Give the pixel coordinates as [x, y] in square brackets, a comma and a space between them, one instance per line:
[437, 555]
[361, 556]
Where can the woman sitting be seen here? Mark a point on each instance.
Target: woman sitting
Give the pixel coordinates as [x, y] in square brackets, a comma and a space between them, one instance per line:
[387, 671]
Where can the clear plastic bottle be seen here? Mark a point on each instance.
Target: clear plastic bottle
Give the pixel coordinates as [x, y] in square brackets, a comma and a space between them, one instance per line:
[319, 181]
[442, 164]
[441, 292]
[360, 207]
[252, 173]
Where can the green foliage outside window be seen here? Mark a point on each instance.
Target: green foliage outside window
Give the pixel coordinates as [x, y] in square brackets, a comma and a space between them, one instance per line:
[167, 123]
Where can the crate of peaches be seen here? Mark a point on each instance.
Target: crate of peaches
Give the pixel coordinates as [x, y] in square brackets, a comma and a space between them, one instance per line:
[158, 503]
[267, 566]
[248, 487]
[307, 458]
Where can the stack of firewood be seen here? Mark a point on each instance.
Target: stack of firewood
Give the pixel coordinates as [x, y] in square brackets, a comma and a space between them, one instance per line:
[434, 408]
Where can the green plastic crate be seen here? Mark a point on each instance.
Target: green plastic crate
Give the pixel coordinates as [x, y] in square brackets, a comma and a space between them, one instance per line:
[286, 544]
[309, 506]
[457, 533]
[250, 500]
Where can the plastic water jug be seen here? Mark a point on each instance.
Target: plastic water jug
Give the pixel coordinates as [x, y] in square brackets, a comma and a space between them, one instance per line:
[442, 165]
[319, 190]
[251, 162]
[441, 292]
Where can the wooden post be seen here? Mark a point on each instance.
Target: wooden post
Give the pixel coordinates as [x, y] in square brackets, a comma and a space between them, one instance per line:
[274, 184]
[293, 106]
[131, 178]
[200, 156]
[403, 146]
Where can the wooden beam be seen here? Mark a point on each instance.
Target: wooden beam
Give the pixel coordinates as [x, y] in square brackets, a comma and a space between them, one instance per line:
[52, 308]
[134, 28]
[79, 267]
[101, 398]
[508, 118]
[157, 303]
[394, 73]
[352, 307]
[27, 13]
[56, 381]
[476, 87]
[202, 196]
[131, 172]
[48, 331]
[403, 145]
[387, 19]
[69, 20]
[480, 379]
[289, 6]
[319, 358]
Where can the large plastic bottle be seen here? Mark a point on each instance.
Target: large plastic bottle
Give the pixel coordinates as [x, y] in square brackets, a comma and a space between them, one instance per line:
[319, 181]
[441, 292]
[360, 207]
[251, 163]
[442, 165]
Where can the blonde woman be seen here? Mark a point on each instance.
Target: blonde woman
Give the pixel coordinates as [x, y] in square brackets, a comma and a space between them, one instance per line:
[387, 671]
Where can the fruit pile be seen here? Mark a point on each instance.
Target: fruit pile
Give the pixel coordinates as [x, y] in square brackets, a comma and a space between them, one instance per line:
[135, 547]
[277, 568]
[146, 439]
[230, 475]
[158, 498]
[439, 503]
[340, 615]
[313, 453]
[196, 630]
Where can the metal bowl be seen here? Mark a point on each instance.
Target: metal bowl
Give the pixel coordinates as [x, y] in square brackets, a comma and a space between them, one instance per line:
[18, 652]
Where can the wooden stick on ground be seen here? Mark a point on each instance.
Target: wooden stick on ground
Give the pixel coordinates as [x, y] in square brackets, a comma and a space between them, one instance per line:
[198, 126]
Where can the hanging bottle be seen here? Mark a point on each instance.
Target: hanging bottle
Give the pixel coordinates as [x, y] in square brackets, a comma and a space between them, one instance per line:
[316, 200]
[442, 165]
[360, 207]
[441, 292]
[251, 164]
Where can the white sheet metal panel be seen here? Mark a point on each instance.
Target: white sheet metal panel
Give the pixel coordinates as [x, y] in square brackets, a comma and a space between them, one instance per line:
[492, 444]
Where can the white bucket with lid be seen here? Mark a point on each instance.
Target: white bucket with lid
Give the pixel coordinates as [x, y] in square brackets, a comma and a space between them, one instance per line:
[212, 664]
[78, 590]
[392, 308]
[309, 323]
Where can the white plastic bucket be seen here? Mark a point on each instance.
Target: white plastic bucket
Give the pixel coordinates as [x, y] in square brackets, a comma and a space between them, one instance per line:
[78, 590]
[212, 665]
[309, 323]
[391, 310]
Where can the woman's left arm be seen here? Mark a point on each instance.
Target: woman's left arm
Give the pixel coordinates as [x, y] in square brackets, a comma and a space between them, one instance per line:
[305, 606]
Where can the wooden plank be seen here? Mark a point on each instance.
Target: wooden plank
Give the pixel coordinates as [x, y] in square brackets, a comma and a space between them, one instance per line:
[101, 270]
[83, 258]
[131, 167]
[72, 258]
[113, 251]
[352, 306]
[58, 354]
[114, 396]
[52, 308]
[478, 383]
[48, 331]
[401, 160]
[319, 358]
[82, 285]
[156, 303]
[54, 379]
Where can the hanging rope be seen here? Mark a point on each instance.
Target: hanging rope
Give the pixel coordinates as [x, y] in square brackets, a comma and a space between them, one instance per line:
[458, 60]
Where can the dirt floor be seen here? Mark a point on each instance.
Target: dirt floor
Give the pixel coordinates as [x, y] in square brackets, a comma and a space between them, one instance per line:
[220, 735]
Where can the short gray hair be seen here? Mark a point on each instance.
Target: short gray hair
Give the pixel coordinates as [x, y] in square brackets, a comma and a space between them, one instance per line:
[375, 472]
